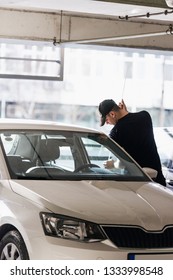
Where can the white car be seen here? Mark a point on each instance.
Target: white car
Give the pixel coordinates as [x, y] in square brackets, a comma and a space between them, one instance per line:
[164, 140]
[58, 201]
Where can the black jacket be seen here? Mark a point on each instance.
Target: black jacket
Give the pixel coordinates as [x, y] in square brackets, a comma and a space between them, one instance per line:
[134, 132]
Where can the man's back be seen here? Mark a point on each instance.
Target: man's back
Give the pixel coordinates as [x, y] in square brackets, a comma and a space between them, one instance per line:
[134, 132]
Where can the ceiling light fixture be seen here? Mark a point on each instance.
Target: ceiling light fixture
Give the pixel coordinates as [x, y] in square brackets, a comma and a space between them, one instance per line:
[165, 12]
[169, 3]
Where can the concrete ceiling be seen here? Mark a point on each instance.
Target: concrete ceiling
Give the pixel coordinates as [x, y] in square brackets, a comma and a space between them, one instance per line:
[104, 7]
[143, 24]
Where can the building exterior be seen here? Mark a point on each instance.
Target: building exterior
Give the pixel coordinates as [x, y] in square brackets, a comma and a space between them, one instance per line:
[144, 79]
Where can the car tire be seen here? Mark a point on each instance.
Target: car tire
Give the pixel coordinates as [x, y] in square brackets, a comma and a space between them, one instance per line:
[12, 247]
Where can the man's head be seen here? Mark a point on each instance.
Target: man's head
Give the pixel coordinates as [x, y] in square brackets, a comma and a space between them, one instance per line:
[107, 109]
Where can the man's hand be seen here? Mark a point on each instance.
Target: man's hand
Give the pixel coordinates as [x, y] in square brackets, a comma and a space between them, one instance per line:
[122, 105]
[109, 164]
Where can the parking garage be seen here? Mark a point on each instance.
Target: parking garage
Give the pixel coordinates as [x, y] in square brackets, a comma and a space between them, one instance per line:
[58, 60]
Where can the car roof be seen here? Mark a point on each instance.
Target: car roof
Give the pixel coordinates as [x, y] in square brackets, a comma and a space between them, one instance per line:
[41, 124]
[164, 141]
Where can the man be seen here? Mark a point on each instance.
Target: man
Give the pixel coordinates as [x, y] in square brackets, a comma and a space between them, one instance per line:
[134, 132]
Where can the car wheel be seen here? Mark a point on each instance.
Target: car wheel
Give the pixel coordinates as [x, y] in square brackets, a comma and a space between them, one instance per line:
[12, 247]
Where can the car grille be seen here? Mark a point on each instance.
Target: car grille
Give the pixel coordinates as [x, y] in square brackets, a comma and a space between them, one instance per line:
[135, 237]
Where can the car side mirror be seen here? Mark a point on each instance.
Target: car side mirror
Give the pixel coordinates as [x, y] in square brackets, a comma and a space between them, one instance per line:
[152, 173]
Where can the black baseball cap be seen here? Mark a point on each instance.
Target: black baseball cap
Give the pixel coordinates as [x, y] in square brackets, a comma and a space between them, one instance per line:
[105, 107]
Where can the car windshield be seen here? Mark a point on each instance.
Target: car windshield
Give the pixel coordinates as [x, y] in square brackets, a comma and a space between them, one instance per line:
[66, 155]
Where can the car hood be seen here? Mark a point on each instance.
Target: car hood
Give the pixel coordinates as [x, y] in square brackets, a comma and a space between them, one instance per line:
[105, 202]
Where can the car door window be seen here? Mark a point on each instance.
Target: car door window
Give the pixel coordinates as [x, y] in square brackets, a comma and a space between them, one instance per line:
[99, 154]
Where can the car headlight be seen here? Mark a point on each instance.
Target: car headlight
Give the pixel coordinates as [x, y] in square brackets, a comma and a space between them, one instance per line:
[71, 228]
